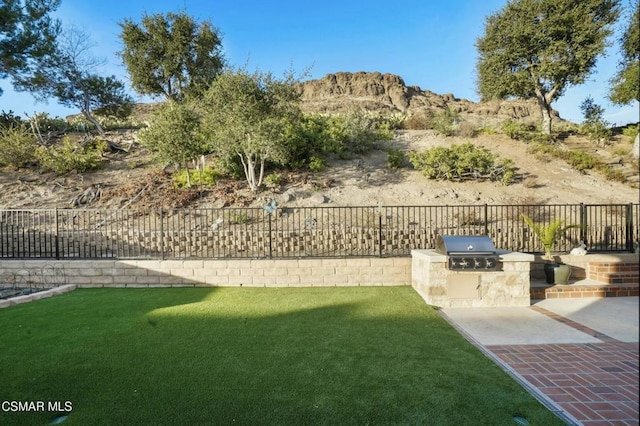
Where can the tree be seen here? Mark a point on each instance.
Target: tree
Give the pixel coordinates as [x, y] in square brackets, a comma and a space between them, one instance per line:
[70, 76]
[174, 135]
[27, 34]
[248, 115]
[171, 55]
[625, 86]
[538, 48]
[596, 127]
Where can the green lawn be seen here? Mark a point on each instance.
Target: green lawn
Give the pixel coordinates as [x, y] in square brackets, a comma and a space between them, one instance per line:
[315, 356]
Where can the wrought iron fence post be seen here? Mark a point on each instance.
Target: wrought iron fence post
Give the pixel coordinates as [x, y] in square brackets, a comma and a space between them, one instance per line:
[56, 238]
[380, 232]
[486, 219]
[270, 238]
[629, 226]
[583, 223]
[161, 233]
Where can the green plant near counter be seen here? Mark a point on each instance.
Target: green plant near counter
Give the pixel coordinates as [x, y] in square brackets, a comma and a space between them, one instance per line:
[548, 234]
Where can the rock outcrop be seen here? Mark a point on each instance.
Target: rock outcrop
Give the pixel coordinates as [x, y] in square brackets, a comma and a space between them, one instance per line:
[388, 93]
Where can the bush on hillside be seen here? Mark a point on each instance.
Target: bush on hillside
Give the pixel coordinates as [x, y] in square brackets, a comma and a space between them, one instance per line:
[17, 146]
[70, 157]
[8, 119]
[205, 178]
[463, 162]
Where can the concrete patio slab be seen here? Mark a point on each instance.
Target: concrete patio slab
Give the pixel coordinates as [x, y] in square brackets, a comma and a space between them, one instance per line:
[514, 326]
[615, 317]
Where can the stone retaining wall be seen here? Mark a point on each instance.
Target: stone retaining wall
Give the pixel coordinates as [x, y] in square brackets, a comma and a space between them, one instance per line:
[251, 272]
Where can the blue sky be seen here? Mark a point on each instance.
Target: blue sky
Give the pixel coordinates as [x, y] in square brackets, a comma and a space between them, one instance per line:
[430, 44]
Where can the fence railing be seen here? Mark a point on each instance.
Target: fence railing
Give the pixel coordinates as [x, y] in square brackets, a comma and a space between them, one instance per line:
[301, 231]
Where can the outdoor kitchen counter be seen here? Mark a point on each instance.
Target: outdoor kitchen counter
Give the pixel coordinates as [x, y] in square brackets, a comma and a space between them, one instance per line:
[508, 285]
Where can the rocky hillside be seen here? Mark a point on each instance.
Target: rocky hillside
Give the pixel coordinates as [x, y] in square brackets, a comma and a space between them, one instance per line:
[388, 93]
[132, 180]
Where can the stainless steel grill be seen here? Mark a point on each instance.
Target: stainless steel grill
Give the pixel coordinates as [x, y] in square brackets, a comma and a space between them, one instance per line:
[475, 252]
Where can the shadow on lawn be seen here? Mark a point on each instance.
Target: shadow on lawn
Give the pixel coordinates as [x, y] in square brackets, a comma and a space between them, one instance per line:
[256, 356]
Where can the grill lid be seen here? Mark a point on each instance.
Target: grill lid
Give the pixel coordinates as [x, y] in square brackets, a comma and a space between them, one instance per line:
[468, 244]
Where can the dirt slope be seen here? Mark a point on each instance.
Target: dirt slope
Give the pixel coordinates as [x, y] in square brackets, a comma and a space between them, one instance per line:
[363, 180]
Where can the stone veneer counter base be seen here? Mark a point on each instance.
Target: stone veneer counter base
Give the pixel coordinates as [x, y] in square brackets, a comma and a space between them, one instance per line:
[440, 286]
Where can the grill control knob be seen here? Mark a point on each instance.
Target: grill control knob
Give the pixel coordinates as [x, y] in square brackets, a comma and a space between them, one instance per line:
[469, 247]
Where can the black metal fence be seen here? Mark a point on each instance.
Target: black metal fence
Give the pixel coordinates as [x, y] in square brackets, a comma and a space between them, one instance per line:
[301, 231]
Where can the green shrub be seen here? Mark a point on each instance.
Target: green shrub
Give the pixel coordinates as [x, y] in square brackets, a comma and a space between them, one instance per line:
[395, 158]
[362, 131]
[630, 131]
[505, 171]
[46, 123]
[487, 130]
[462, 162]
[8, 119]
[581, 161]
[67, 157]
[598, 131]
[391, 122]
[17, 146]
[205, 178]
[595, 127]
[229, 166]
[516, 130]
[346, 134]
[317, 164]
[444, 121]
[273, 180]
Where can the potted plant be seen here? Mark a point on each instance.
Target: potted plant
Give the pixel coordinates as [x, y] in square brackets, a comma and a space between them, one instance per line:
[555, 272]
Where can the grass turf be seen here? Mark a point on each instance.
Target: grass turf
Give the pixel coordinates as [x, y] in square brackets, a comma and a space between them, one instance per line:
[325, 356]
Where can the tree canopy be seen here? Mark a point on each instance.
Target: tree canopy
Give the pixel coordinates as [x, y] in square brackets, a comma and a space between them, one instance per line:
[625, 85]
[27, 33]
[538, 48]
[174, 135]
[171, 56]
[248, 115]
[70, 75]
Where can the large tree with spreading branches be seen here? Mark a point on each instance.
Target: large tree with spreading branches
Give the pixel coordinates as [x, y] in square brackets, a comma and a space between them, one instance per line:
[539, 48]
[625, 86]
[171, 55]
[27, 34]
[248, 115]
[72, 76]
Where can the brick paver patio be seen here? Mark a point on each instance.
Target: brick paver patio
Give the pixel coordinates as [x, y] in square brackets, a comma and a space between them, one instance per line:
[596, 383]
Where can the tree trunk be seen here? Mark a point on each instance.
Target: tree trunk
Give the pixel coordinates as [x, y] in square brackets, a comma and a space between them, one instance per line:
[249, 167]
[261, 173]
[545, 110]
[186, 167]
[87, 114]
